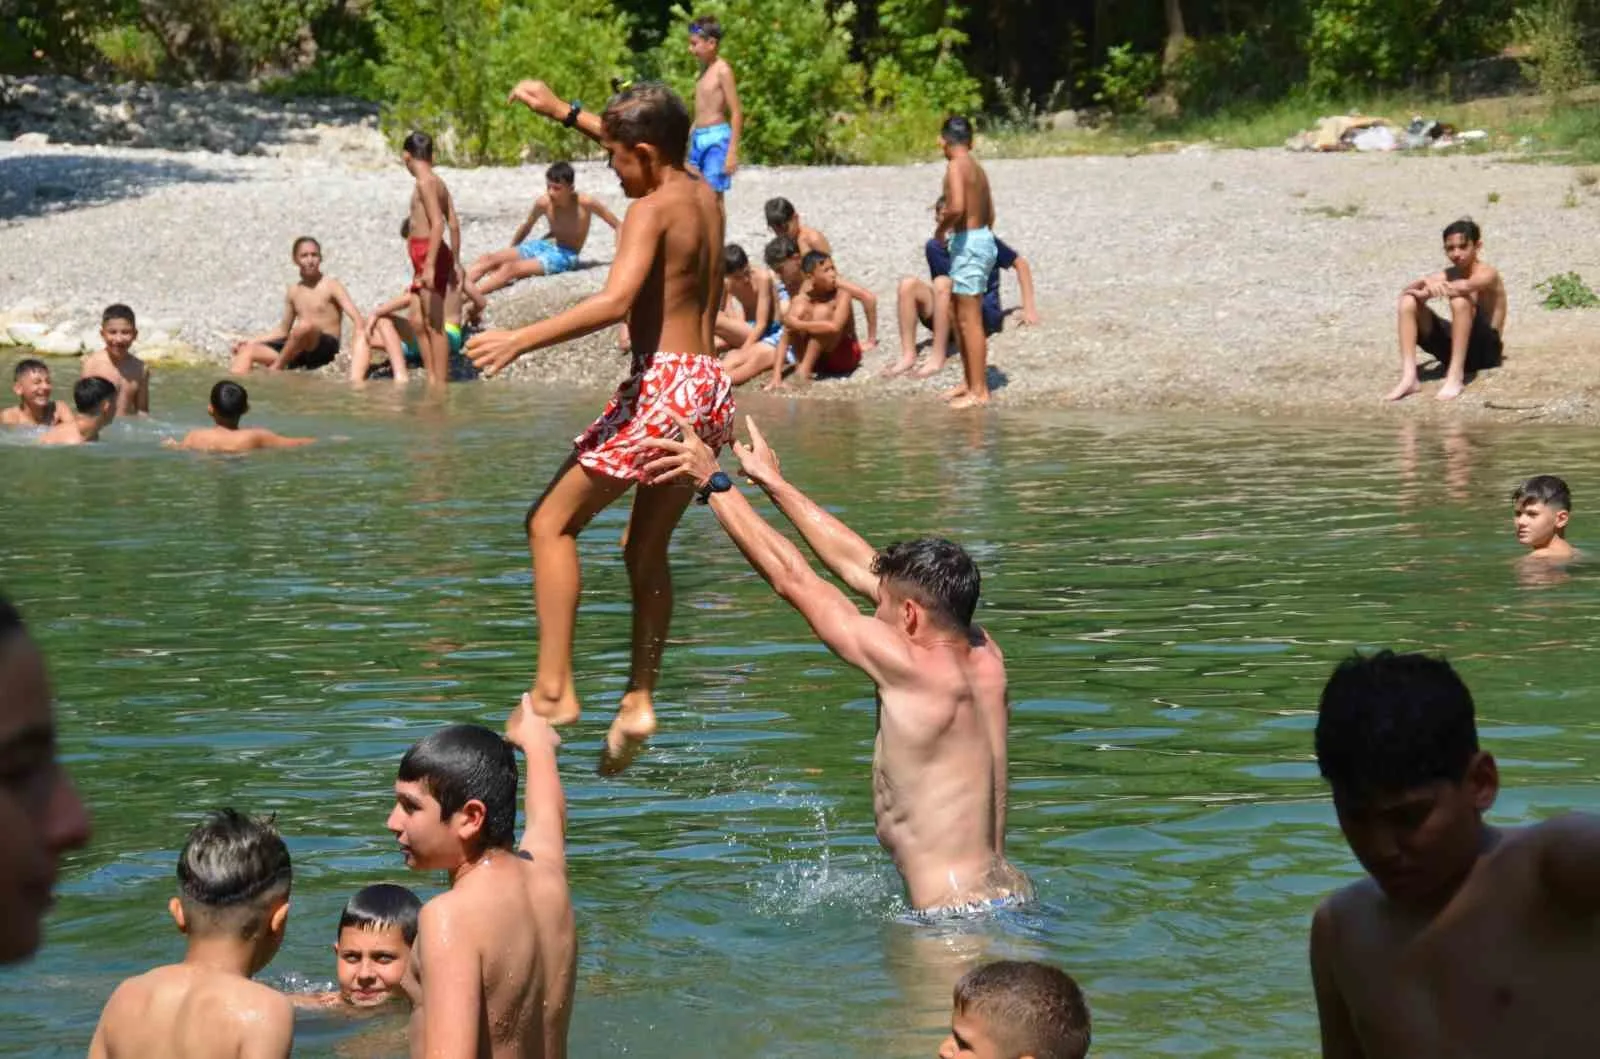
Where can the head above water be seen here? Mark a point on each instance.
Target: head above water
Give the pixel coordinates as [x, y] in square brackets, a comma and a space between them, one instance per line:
[471, 772]
[734, 260]
[419, 146]
[383, 905]
[229, 401]
[1541, 507]
[1011, 1009]
[29, 366]
[936, 574]
[373, 945]
[233, 879]
[1544, 489]
[91, 393]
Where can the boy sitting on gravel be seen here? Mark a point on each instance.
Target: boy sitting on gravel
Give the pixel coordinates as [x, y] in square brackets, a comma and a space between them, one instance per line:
[229, 403]
[783, 219]
[820, 323]
[748, 322]
[1471, 338]
[308, 336]
[569, 214]
[116, 363]
[391, 326]
[30, 381]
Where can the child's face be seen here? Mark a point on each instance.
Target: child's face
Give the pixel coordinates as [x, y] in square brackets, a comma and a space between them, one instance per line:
[824, 278]
[309, 257]
[371, 964]
[1460, 250]
[741, 277]
[33, 389]
[970, 1038]
[702, 48]
[118, 336]
[630, 165]
[427, 842]
[560, 194]
[789, 269]
[1538, 523]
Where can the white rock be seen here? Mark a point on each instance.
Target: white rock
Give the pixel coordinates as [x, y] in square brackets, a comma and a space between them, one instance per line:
[25, 333]
[63, 341]
[33, 139]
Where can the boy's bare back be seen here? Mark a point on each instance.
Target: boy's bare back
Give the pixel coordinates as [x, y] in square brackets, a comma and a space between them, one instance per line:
[675, 233]
[130, 377]
[188, 1011]
[242, 439]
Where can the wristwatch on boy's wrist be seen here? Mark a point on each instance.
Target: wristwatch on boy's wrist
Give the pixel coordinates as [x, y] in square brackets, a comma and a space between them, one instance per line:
[719, 482]
[571, 119]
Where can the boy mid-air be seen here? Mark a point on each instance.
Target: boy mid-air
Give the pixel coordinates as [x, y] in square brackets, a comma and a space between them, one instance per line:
[229, 402]
[433, 261]
[820, 323]
[496, 956]
[666, 281]
[1541, 509]
[117, 364]
[784, 220]
[232, 907]
[968, 220]
[568, 213]
[1464, 940]
[1472, 338]
[714, 142]
[36, 405]
[96, 402]
[314, 308]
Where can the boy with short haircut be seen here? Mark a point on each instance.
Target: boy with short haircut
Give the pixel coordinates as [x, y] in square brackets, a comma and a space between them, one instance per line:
[666, 281]
[117, 364]
[820, 323]
[433, 262]
[968, 220]
[30, 381]
[372, 949]
[1542, 507]
[569, 214]
[233, 904]
[714, 141]
[307, 337]
[1471, 339]
[96, 402]
[390, 327]
[496, 955]
[783, 219]
[1011, 1009]
[1464, 939]
[748, 323]
[229, 403]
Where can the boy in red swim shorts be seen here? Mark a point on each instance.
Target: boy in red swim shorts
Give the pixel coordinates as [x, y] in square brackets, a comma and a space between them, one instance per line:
[666, 282]
[819, 328]
[433, 262]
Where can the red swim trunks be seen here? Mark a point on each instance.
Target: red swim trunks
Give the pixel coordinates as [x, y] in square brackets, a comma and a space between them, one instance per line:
[690, 384]
[842, 359]
[444, 265]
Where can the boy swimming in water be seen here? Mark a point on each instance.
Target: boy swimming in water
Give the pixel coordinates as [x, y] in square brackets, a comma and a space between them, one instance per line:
[116, 363]
[748, 323]
[96, 402]
[1012, 1009]
[666, 281]
[968, 220]
[229, 403]
[433, 212]
[372, 949]
[30, 381]
[307, 337]
[569, 214]
[714, 143]
[233, 905]
[1471, 338]
[1464, 939]
[784, 220]
[1542, 507]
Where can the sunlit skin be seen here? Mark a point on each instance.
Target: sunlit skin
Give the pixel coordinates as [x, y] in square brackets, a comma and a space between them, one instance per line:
[427, 841]
[36, 406]
[1542, 529]
[971, 1038]
[1470, 287]
[371, 962]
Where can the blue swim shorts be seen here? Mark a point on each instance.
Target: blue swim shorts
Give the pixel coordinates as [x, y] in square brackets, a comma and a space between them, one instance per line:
[708, 152]
[972, 257]
[552, 255]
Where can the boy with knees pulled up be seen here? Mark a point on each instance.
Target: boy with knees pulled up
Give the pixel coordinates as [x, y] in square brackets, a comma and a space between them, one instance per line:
[1464, 939]
[233, 904]
[117, 364]
[748, 323]
[569, 214]
[36, 405]
[229, 402]
[820, 323]
[1013, 1009]
[314, 308]
[96, 402]
[714, 140]
[784, 220]
[1471, 338]
[1542, 507]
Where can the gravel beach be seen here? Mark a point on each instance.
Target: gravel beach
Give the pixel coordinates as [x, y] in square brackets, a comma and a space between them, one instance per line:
[1258, 282]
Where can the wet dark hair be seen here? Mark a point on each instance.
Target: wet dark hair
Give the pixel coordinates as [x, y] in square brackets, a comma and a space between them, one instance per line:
[405, 228]
[648, 112]
[779, 211]
[780, 250]
[229, 400]
[232, 868]
[560, 173]
[813, 258]
[117, 311]
[27, 364]
[708, 27]
[1544, 489]
[380, 906]
[463, 762]
[1389, 723]
[957, 130]
[935, 572]
[734, 259]
[1465, 226]
[419, 145]
[1029, 1008]
[90, 392]
[10, 619]
[294, 251]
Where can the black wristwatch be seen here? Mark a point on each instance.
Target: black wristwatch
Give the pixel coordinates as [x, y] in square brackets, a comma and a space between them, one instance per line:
[717, 483]
[572, 115]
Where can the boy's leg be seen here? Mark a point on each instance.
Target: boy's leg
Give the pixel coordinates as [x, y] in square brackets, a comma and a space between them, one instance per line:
[974, 351]
[656, 511]
[1462, 311]
[913, 303]
[1415, 321]
[509, 272]
[747, 362]
[573, 497]
[732, 330]
[249, 354]
[492, 260]
[810, 353]
[360, 358]
[943, 317]
[431, 340]
[393, 341]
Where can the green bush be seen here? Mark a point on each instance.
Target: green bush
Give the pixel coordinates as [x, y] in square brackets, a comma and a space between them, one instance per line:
[1228, 69]
[132, 52]
[1380, 42]
[1552, 34]
[1127, 79]
[1567, 291]
[915, 69]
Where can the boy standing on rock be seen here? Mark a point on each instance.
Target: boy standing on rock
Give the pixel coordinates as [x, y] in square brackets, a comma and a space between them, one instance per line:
[116, 363]
[308, 335]
[714, 143]
[434, 262]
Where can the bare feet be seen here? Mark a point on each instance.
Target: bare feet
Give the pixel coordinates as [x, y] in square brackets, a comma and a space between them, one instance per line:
[525, 723]
[563, 709]
[970, 400]
[1406, 388]
[934, 366]
[869, 345]
[1450, 391]
[635, 722]
[954, 392]
[900, 367]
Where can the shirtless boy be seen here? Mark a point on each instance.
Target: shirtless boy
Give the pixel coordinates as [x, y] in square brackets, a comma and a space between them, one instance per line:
[666, 280]
[784, 219]
[939, 765]
[390, 327]
[968, 220]
[96, 402]
[372, 950]
[308, 335]
[820, 323]
[229, 403]
[714, 147]
[496, 958]
[233, 904]
[117, 365]
[1010, 1009]
[1542, 507]
[1471, 338]
[569, 214]
[433, 262]
[30, 381]
[41, 816]
[748, 324]
[1465, 940]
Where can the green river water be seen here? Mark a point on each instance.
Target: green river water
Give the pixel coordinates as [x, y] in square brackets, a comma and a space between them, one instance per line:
[272, 632]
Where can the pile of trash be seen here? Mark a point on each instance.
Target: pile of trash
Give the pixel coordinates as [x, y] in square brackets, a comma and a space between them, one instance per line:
[1357, 132]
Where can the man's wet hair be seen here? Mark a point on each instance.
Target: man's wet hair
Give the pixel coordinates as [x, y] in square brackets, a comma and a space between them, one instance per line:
[1028, 1008]
[381, 906]
[937, 573]
[813, 258]
[419, 145]
[294, 251]
[90, 392]
[118, 311]
[957, 130]
[232, 870]
[648, 112]
[230, 400]
[1390, 723]
[1465, 226]
[29, 364]
[560, 173]
[708, 27]
[779, 211]
[734, 259]
[1544, 489]
[463, 762]
[779, 250]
